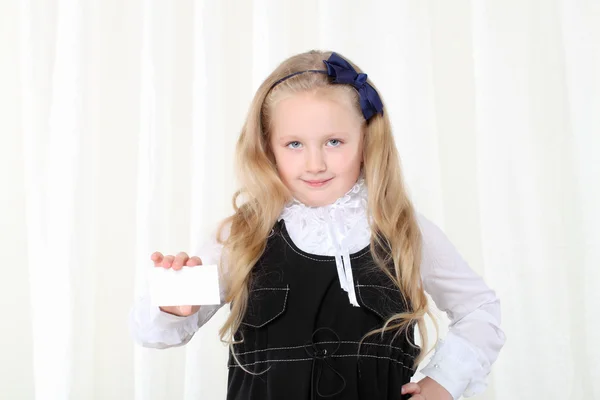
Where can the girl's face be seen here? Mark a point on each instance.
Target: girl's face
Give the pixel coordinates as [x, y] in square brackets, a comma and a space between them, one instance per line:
[318, 146]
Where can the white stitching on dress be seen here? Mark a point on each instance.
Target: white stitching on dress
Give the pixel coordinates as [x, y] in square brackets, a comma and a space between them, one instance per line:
[372, 356]
[287, 291]
[359, 256]
[308, 345]
[302, 255]
[377, 286]
[366, 305]
[310, 359]
[266, 361]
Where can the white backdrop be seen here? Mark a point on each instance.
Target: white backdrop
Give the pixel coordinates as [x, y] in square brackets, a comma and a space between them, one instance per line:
[117, 127]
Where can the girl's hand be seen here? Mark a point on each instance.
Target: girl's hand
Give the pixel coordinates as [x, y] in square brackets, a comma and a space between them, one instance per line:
[414, 389]
[426, 389]
[177, 262]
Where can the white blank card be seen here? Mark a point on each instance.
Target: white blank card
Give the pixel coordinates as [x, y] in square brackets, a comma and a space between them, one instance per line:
[190, 286]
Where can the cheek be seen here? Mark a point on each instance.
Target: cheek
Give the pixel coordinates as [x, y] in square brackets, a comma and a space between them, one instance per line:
[287, 163]
[278, 153]
[347, 160]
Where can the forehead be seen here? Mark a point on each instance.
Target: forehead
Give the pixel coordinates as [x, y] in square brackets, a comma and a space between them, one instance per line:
[306, 114]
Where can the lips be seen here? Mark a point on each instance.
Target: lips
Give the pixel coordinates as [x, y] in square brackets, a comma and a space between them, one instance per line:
[318, 183]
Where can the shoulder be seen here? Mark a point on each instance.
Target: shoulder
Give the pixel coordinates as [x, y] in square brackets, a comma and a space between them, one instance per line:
[433, 236]
[437, 249]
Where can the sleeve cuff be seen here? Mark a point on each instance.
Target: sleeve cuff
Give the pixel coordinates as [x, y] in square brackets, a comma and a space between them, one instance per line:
[458, 367]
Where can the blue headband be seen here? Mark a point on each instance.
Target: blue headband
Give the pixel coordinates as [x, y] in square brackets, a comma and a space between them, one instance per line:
[342, 72]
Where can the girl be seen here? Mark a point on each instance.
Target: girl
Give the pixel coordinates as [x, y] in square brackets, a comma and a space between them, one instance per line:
[325, 262]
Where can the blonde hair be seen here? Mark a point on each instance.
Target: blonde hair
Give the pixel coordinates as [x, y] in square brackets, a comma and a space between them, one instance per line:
[263, 195]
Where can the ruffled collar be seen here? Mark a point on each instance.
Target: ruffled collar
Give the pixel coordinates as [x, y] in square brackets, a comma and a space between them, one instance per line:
[326, 230]
[354, 200]
[338, 230]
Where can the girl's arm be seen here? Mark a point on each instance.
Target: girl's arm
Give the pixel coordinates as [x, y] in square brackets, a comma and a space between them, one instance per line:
[151, 327]
[463, 360]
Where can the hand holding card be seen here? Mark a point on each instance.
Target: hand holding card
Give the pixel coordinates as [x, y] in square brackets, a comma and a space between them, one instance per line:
[178, 286]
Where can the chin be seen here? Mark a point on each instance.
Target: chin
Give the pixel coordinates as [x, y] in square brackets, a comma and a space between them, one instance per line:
[319, 197]
[319, 201]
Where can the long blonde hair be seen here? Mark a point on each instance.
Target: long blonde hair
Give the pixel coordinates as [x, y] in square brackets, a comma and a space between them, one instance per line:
[263, 195]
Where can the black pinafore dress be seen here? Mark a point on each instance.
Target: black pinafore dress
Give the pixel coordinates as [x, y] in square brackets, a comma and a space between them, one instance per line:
[301, 336]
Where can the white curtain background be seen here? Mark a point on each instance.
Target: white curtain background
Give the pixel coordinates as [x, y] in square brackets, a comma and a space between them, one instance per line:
[118, 121]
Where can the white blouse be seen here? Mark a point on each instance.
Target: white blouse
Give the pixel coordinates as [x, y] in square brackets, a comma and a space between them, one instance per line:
[461, 362]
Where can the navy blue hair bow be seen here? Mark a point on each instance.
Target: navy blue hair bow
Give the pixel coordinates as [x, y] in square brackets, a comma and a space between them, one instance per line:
[342, 72]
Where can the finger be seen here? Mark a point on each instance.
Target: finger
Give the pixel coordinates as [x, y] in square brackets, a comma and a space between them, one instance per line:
[411, 388]
[193, 261]
[417, 397]
[180, 260]
[157, 258]
[186, 311]
[167, 261]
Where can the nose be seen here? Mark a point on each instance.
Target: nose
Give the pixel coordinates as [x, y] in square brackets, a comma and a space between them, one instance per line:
[315, 161]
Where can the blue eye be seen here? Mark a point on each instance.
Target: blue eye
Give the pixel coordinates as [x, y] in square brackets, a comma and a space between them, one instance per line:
[335, 142]
[294, 145]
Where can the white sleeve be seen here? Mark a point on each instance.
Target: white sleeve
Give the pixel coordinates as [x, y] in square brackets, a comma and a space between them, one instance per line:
[463, 360]
[151, 327]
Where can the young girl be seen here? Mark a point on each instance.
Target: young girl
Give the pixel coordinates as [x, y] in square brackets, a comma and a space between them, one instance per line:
[325, 262]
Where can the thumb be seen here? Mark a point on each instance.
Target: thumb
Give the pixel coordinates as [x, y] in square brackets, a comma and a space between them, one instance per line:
[411, 388]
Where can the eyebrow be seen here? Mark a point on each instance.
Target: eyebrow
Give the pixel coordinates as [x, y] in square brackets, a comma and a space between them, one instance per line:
[291, 138]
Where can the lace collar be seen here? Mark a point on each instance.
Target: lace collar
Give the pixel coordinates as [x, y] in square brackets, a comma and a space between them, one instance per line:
[337, 229]
[352, 203]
